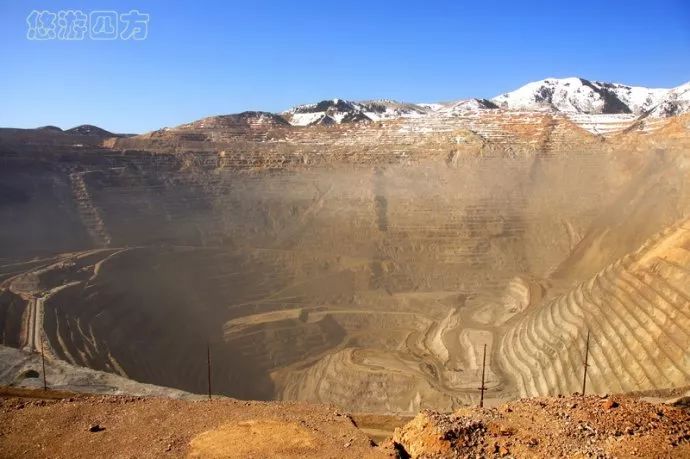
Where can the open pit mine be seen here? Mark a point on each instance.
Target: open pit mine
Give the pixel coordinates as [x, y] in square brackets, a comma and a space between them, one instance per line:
[340, 258]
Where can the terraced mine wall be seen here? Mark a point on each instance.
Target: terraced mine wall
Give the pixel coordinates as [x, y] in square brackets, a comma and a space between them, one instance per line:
[371, 280]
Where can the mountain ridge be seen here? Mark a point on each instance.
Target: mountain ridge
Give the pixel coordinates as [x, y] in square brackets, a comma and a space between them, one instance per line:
[572, 95]
[580, 95]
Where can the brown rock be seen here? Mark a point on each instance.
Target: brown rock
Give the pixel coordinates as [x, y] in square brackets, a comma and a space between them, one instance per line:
[609, 404]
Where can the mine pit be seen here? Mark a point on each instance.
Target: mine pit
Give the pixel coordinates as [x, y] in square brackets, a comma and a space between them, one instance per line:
[371, 287]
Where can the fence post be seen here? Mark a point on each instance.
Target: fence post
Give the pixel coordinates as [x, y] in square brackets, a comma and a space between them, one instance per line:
[584, 378]
[43, 364]
[208, 362]
[483, 387]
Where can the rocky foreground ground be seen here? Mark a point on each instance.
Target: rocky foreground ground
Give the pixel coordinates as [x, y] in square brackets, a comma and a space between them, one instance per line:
[55, 424]
[592, 426]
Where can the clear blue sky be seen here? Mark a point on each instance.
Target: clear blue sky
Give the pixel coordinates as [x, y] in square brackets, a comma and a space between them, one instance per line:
[212, 57]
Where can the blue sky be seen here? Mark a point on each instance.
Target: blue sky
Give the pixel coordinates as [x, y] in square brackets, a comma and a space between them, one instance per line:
[214, 57]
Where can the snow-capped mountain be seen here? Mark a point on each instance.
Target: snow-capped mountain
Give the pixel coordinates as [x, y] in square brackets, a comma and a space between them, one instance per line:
[339, 111]
[571, 96]
[387, 109]
[466, 105]
[343, 111]
[675, 102]
[577, 95]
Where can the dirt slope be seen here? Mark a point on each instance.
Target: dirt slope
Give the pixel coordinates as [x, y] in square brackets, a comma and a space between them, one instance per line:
[60, 424]
[36, 424]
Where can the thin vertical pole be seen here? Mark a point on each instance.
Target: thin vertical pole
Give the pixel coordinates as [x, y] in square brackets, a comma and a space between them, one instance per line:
[584, 378]
[43, 363]
[482, 388]
[208, 362]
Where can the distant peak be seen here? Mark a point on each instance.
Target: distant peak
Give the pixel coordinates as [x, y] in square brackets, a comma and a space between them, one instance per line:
[89, 130]
[50, 128]
[579, 95]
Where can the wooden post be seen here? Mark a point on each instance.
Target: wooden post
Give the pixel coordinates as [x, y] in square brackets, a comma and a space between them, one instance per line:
[208, 362]
[483, 387]
[43, 363]
[584, 378]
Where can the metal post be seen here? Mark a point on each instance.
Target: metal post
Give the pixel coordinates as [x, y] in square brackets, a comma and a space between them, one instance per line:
[43, 363]
[584, 378]
[483, 387]
[208, 361]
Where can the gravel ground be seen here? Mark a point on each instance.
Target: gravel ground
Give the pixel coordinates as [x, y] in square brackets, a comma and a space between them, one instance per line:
[592, 426]
[65, 425]
[62, 425]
